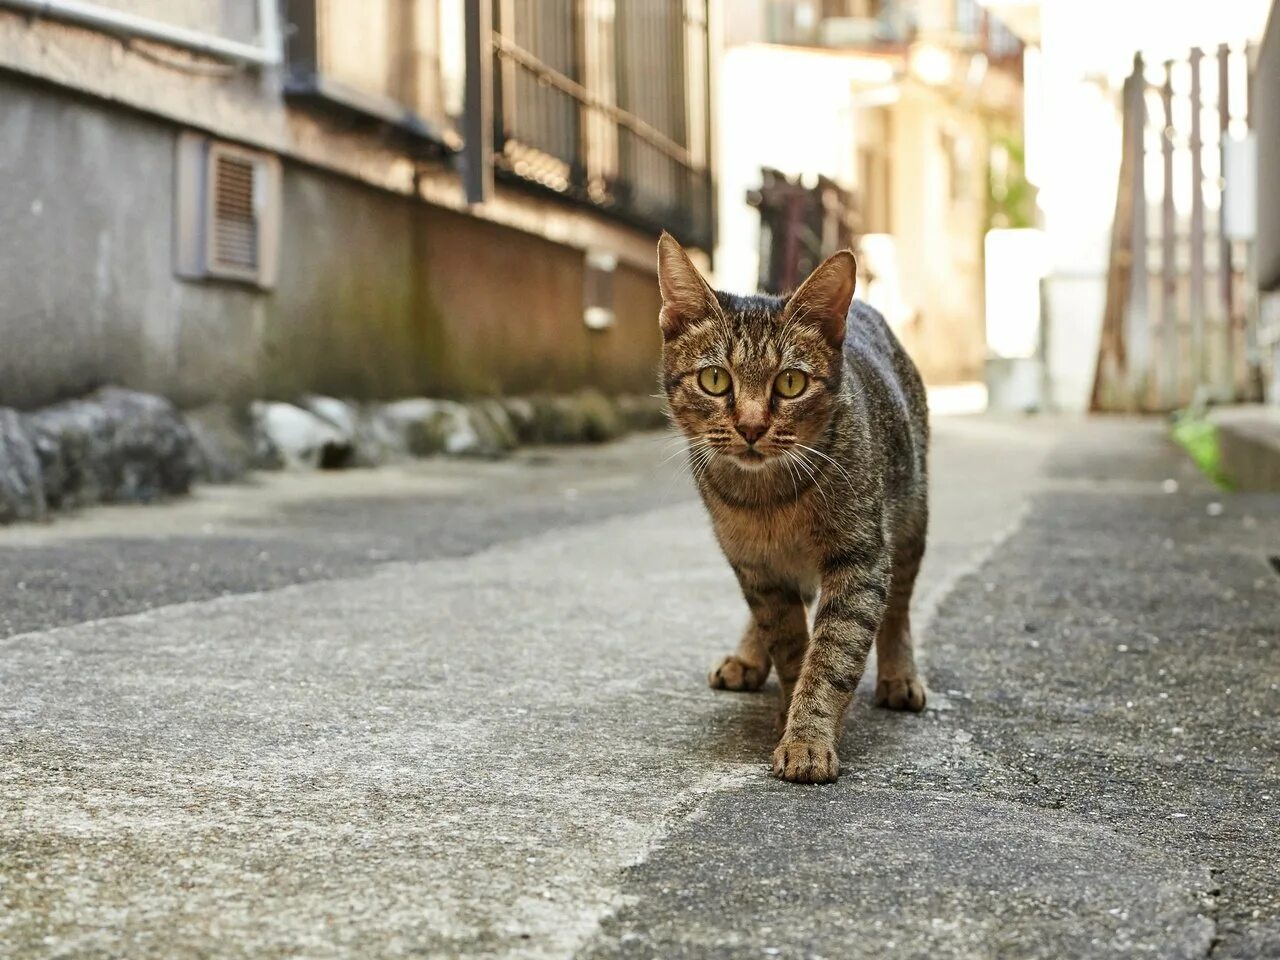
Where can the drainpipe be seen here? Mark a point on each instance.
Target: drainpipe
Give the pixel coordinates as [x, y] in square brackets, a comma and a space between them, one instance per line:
[265, 53]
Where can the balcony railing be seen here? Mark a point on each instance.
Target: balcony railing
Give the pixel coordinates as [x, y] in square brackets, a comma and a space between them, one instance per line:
[888, 25]
[600, 102]
[607, 102]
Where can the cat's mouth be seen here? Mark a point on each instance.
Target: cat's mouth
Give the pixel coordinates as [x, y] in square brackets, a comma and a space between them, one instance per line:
[750, 458]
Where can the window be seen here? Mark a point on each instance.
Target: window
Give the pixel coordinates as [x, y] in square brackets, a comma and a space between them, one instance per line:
[399, 61]
[608, 104]
[227, 212]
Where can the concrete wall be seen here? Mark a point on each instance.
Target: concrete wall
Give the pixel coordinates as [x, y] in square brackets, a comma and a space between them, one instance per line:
[512, 309]
[379, 294]
[938, 228]
[246, 106]
[233, 19]
[1266, 113]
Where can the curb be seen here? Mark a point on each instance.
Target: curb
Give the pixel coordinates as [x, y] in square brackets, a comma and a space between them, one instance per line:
[1249, 446]
[123, 446]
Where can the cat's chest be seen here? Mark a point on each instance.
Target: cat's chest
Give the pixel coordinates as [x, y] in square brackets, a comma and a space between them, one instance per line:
[778, 538]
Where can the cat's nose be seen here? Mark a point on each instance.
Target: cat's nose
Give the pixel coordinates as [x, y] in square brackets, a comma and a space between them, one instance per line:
[751, 432]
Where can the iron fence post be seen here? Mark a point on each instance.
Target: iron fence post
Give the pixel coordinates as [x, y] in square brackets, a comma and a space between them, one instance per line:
[477, 123]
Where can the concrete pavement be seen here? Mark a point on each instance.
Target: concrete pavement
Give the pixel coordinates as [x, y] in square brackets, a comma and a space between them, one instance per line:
[460, 710]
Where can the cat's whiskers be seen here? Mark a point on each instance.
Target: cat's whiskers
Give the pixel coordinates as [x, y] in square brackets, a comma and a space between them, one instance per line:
[692, 448]
[795, 479]
[668, 438]
[700, 462]
[814, 479]
[688, 447]
[827, 458]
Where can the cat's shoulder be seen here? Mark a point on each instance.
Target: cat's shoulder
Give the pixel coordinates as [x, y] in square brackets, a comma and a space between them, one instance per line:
[867, 333]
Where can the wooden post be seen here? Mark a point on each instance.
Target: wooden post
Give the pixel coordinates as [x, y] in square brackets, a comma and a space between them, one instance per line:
[1137, 316]
[1114, 374]
[1249, 318]
[1168, 379]
[477, 122]
[1195, 306]
[1225, 374]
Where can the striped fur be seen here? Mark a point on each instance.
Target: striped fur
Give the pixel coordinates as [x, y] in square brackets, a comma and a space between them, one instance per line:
[831, 503]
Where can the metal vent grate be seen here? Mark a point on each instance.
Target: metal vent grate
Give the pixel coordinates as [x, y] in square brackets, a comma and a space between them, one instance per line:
[234, 235]
[227, 209]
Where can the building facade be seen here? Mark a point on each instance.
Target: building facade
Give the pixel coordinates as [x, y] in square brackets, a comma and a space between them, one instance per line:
[911, 107]
[224, 199]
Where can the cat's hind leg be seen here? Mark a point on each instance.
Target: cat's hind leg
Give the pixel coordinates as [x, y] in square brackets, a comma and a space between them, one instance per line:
[898, 683]
[746, 668]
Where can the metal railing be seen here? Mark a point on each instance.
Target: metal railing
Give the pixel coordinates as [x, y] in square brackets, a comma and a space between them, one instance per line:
[607, 102]
[894, 25]
[800, 226]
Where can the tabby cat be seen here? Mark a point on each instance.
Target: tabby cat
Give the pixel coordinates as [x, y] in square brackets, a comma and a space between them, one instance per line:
[808, 433]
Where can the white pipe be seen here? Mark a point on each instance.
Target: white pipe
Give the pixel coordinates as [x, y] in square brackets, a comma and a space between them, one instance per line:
[117, 22]
[269, 39]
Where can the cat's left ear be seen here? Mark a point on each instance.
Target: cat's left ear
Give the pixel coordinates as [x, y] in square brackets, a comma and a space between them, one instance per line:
[823, 299]
[686, 297]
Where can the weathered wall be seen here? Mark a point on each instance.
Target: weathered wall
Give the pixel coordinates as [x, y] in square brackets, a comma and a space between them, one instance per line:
[235, 20]
[938, 226]
[514, 308]
[1266, 113]
[349, 315]
[378, 294]
[87, 292]
[247, 107]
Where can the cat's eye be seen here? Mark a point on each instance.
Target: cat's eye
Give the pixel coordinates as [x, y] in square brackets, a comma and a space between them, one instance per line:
[790, 383]
[714, 380]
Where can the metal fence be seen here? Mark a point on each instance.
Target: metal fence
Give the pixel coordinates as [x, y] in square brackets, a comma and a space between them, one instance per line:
[607, 101]
[1180, 324]
[800, 226]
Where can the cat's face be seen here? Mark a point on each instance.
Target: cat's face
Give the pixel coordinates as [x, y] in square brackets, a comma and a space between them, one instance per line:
[750, 385]
[752, 379]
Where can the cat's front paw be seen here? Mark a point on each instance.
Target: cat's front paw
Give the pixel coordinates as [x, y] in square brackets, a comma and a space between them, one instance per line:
[736, 674]
[806, 761]
[900, 693]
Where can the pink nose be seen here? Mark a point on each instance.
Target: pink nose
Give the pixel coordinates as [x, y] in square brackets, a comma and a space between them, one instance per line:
[751, 432]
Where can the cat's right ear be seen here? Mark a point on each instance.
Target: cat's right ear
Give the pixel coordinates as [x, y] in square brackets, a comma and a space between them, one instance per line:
[823, 299]
[686, 297]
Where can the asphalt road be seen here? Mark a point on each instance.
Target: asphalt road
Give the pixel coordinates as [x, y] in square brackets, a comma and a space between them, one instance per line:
[459, 709]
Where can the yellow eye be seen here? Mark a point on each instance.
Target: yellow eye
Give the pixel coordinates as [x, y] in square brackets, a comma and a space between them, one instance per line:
[714, 380]
[790, 383]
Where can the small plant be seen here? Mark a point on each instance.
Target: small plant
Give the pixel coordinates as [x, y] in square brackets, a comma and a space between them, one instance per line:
[1195, 434]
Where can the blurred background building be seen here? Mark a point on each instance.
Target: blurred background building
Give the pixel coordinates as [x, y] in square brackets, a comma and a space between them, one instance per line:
[1191, 279]
[1266, 111]
[913, 108]
[225, 199]
[238, 198]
